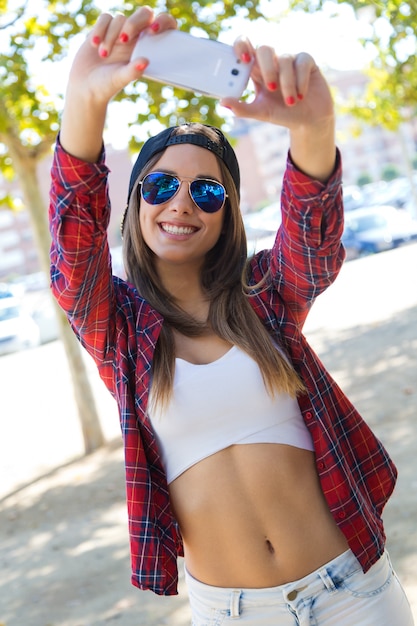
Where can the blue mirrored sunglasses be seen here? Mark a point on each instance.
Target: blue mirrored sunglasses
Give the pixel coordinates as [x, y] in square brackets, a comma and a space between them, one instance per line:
[207, 195]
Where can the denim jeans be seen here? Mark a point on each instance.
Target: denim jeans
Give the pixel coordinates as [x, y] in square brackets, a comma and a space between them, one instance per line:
[336, 594]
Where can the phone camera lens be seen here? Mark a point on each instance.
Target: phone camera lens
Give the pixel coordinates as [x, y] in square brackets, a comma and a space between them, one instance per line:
[235, 72]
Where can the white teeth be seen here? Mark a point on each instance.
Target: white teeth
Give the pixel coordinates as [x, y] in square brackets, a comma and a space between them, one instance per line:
[177, 230]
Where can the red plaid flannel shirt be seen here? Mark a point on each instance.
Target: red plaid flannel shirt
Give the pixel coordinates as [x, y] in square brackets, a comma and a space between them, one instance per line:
[120, 329]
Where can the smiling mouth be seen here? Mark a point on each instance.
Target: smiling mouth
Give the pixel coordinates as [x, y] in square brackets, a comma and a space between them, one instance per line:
[178, 230]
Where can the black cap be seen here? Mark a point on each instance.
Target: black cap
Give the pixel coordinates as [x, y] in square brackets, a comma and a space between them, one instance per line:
[156, 144]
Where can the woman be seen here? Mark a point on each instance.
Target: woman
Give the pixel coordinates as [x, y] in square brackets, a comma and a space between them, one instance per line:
[241, 452]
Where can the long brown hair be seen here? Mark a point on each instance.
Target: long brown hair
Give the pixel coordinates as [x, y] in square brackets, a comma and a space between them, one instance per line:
[231, 316]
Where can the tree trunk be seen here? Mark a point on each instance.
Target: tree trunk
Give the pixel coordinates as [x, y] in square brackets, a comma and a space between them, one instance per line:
[26, 170]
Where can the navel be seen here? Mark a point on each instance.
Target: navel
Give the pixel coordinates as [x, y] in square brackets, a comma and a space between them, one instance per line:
[270, 547]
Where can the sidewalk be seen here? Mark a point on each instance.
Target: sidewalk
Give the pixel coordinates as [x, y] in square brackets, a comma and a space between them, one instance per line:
[64, 558]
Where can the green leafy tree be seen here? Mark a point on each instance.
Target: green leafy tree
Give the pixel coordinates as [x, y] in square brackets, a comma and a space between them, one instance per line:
[29, 117]
[390, 96]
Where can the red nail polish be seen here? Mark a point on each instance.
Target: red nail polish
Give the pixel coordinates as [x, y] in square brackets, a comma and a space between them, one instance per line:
[300, 96]
[141, 66]
[245, 57]
[272, 86]
[124, 37]
[103, 53]
[290, 100]
[155, 27]
[96, 40]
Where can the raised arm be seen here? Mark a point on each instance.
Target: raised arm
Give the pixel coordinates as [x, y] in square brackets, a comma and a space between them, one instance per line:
[79, 208]
[290, 91]
[101, 69]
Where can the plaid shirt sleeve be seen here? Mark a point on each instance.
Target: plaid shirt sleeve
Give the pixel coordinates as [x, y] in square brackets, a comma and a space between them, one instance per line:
[308, 253]
[119, 329]
[80, 257]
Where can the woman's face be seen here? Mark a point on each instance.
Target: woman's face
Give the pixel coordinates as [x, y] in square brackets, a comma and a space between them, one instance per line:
[178, 232]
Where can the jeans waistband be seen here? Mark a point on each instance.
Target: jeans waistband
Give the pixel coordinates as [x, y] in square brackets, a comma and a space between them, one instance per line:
[322, 578]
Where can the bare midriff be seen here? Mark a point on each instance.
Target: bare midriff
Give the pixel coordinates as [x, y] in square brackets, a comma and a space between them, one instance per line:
[254, 516]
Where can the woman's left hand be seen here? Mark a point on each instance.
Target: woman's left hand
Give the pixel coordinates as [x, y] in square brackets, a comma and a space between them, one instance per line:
[291, 91]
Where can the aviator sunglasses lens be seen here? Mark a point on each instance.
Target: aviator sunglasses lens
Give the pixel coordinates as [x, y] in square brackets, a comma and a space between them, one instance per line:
[157, 188]
[208, 195]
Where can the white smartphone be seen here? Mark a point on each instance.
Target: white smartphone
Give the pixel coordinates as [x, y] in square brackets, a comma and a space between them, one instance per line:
[201, 65]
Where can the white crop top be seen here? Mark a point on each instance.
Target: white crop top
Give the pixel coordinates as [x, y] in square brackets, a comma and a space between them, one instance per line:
[220, 404]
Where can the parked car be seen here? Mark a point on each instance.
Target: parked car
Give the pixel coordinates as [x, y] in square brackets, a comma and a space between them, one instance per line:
[17, 329]
[394, 193]
[5, 291]
[269, 218]
[261, 227]
[44, 315]
[377, 228]
[118, 267]
[353, 198]
[259, 239]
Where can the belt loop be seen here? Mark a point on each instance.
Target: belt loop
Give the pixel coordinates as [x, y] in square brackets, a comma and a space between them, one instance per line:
[327, 580]
[235, 603]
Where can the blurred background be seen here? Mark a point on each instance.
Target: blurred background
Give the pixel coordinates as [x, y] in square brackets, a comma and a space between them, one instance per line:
[61, 480]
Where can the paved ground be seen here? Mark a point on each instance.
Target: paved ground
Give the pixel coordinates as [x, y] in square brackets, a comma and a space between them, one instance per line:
[63, 539]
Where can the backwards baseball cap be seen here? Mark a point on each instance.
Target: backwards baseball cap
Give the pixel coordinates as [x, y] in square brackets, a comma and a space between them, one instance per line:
[165, 138]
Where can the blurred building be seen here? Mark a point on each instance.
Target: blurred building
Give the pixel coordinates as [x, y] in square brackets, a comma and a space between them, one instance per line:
[18, 252]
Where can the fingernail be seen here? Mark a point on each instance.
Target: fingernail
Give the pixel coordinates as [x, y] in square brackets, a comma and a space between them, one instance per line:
[300, 96]
[96, 40]
[272, 86]
[124, 37]
[103, 53]
[155, 27]
[245, 57]
[226, 106]
[141, 66]
[290, 100]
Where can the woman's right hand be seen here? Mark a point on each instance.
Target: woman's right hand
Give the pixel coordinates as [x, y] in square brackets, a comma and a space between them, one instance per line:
[101, 68]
